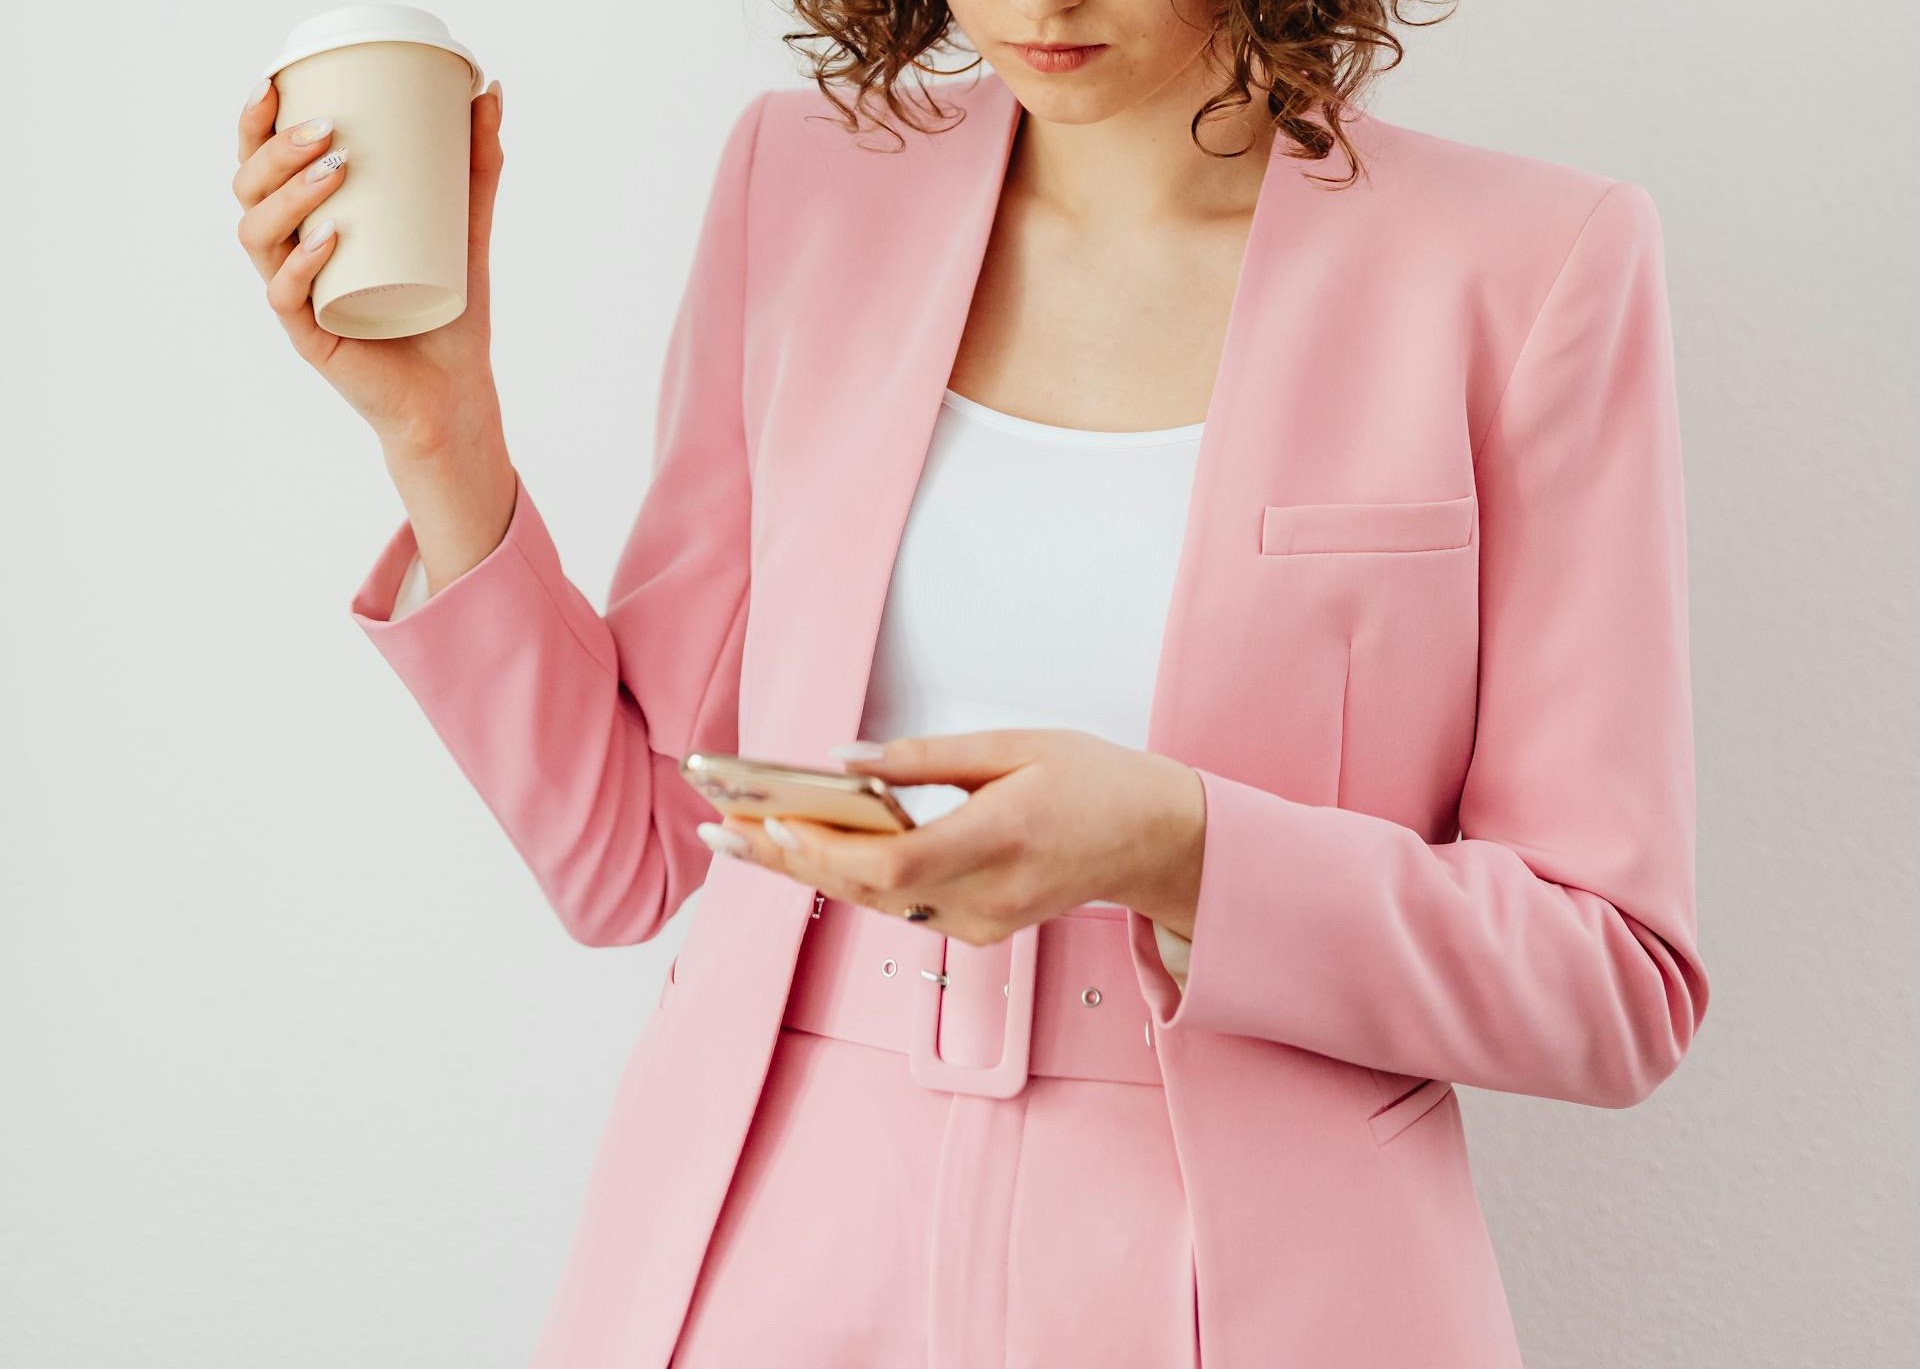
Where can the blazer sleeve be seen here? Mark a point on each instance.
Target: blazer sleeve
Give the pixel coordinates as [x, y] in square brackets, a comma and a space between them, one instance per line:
[1550, 949]
[567, 722]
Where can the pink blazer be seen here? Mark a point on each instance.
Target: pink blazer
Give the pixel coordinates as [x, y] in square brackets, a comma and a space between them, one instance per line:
[1428, 649]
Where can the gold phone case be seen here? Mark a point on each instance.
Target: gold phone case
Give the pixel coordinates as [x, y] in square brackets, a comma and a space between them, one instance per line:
[745, 788]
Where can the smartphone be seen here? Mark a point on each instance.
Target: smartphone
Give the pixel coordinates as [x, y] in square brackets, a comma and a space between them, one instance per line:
[745, 788]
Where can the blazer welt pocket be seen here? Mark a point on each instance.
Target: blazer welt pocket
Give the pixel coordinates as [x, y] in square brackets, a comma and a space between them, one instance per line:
[1419, 525]
[1409, 1108]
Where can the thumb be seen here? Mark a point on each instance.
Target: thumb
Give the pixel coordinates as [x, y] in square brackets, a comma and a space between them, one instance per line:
[965, 759]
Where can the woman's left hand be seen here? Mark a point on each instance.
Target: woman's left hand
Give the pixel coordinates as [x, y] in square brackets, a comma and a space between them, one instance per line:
[1054, 818]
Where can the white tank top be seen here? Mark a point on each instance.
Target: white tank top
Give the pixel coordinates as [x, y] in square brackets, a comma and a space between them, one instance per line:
[1031, 588]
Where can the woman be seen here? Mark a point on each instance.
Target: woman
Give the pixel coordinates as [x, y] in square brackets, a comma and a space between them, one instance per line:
[1287, 570]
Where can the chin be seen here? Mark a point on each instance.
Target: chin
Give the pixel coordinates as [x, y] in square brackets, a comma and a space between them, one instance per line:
[1057, 102]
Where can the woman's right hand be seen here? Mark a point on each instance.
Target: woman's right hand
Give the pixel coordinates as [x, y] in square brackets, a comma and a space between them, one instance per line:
[428, 395]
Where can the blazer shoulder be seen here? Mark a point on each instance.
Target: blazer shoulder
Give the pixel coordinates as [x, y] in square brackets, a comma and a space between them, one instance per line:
[1496, 206]
[1475, 170]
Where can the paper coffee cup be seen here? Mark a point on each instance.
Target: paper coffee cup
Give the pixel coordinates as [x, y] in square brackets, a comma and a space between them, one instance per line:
[399, 90]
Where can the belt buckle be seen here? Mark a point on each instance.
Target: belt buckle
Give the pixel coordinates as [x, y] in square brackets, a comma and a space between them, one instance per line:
[1008, 1076]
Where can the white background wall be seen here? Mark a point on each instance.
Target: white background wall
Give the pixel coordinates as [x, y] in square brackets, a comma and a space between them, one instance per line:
[297, 1069]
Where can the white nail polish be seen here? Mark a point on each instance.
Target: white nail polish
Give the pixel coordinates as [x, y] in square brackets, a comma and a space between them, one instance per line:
[781, 834]
[328, 164]
[259, 92]
[859, 751]
[318, 238]
[311, 132]
[722, 841]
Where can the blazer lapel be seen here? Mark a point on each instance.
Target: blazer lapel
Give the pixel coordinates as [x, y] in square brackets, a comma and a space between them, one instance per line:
[1250, 442]
[872, 401]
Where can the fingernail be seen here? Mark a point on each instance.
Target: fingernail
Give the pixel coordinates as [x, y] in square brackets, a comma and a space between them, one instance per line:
[311, 132]
[782, 834]
[322, 231]
[859, 751]
[259, 92]
[327, 165]
[720, 840]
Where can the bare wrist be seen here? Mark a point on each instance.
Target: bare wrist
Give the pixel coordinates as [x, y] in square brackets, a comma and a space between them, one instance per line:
[1168, 887]
[459, 500]
[484, 445]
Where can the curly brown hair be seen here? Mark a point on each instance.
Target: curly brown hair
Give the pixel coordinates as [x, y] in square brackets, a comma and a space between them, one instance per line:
[1310, 55]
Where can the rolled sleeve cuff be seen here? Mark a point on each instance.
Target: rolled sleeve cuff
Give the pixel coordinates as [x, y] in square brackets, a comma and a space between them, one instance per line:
[480, 615]
[1215, 979]
[375, 602]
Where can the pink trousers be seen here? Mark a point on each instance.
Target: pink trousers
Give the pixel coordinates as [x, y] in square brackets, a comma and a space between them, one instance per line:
[873, 1221]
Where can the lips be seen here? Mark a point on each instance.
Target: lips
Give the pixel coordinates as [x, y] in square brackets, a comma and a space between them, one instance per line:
[1057, 57]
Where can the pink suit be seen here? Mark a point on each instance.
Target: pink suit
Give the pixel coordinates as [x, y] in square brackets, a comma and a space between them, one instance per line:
[1427, 649]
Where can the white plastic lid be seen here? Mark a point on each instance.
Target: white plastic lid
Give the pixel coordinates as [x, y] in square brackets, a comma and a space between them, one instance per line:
[339, 28]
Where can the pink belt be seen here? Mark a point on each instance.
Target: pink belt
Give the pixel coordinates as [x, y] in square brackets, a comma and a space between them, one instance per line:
[1058, 998]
